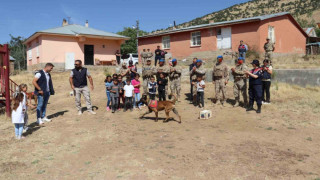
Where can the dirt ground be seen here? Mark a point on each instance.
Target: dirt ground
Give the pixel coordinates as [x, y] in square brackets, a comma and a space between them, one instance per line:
[280, 143]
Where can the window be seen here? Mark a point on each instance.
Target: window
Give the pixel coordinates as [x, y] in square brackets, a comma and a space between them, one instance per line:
[271, 34]
[218, 31]
[30, 54]
[196, 38]
[37, 50]
[166, 42]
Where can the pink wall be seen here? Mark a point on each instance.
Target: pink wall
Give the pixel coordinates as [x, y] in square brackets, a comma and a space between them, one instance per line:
[52, 48]
[252, 33]
[289, 38]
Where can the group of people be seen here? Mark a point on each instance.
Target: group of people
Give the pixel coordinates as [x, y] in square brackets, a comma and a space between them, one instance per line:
[125, 86]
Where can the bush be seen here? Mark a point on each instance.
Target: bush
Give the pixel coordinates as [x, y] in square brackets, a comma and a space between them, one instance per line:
[252, 54]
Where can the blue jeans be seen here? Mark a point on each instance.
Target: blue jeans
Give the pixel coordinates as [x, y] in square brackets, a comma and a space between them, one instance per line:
[136, 99]
[243, 54]
[42, 104]
[109, 99]
[18, 128]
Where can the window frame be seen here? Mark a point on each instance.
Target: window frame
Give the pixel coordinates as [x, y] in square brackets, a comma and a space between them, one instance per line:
[166, 40]
[194, 35]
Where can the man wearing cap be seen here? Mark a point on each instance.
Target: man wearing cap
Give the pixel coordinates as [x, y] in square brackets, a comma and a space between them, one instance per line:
[162, 69]
[147, 71]
[196, 71]
[175, 78]
[124, 71]
[268, 48]
[149, 54]
[255, 85]
[220, 79]
[243, 48]
[240, 82]
[144, 56]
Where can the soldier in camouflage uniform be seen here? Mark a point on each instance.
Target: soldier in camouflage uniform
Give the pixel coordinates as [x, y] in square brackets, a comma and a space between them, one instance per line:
[269, 48]
[162, 69]
[175, 78]
[220, 79]
[144, 56]
[149, 54]
[196, 71]
[124, 70]
[240, 82]
[147, 72]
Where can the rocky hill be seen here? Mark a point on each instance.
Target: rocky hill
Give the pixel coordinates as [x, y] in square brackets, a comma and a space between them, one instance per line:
[306, 12]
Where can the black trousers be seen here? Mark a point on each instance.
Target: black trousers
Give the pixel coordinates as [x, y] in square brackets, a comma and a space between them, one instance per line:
[200, 98]
[266, 90]
[162, 95]
[156, 60]
[152, 96]
[255, 94]
[128, 103]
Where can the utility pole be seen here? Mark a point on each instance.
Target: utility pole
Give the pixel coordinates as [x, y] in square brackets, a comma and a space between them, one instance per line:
[137, 29]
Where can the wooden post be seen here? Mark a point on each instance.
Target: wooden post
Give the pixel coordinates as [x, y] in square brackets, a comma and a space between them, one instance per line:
[6, 68]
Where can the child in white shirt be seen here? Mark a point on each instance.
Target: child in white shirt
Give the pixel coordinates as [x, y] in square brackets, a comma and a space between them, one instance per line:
[17, 114]
[200, 92]
[128, 95]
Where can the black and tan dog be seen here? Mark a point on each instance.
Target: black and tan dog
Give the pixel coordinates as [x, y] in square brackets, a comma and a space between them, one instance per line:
[31, 96]
[167, 106]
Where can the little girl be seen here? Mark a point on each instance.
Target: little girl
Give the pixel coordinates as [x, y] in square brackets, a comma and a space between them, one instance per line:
[108, 83]
[23, 88]
[17, 115]
[136, 84]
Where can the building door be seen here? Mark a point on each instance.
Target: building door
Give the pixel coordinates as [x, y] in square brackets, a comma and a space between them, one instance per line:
[69, 61]
[224, 38]
[88, 54]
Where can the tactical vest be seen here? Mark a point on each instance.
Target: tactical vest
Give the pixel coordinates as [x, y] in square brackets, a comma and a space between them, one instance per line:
[242, 48]
[80, 78]
[219, 70]
[266, 75]
[256, 81]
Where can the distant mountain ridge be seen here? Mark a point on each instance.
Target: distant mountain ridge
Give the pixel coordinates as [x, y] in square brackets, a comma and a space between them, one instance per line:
[306, 12]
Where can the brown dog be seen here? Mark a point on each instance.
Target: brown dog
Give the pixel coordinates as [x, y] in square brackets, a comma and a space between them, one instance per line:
[31, 96]
[162, 105]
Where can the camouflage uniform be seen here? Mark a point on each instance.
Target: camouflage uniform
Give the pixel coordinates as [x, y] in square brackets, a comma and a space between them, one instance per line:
[144, 57]
[175, 80]
[165, 70]
[220, 76]
[200, 71]
[149, 55]
[124, 72]
[147, 72]
[269, 48]
[240, 84]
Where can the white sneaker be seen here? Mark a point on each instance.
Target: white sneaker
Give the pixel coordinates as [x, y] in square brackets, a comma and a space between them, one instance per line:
[39, 121]
[46, 119]
[79, 113]
[92, 112]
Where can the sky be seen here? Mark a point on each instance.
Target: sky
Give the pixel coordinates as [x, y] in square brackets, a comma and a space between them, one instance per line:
[25, 17]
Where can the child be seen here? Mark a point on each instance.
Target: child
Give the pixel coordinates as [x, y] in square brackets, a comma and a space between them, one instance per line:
[17, 115]
[114, 94]
[136, 84]
[114, 76]
[200, 91]
[108, 83]
[162, 82]
[128, 93]
[152, 86]
[121, 94]
[23, 88]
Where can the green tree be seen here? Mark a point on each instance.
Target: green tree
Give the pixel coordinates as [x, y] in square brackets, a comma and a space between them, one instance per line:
[18, 52]
[130, 46]
[318, 32]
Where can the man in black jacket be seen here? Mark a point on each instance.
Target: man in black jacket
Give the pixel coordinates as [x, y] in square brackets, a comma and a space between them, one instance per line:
[78, 82]
[43, 89]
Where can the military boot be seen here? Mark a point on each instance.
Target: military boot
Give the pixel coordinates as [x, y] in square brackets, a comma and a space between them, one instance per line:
[259, 109]
[250, 107]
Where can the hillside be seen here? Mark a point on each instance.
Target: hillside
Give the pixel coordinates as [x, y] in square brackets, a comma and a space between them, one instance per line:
[306, 12]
